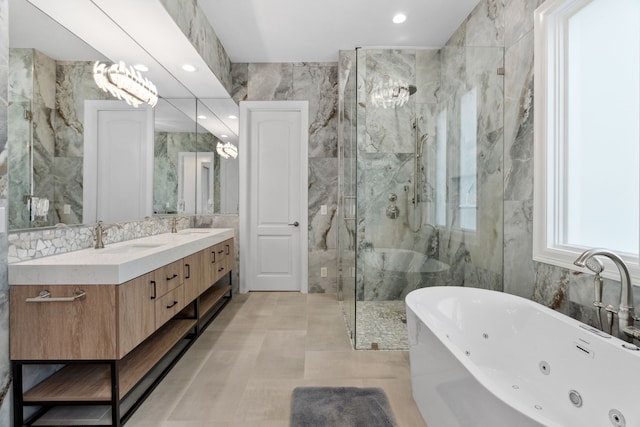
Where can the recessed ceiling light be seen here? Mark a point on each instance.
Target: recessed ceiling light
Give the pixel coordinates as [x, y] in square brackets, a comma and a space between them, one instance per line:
[232, 117]
[141, 67]
[202, 117]
[399, 18]
[223, 136]
[188, 67]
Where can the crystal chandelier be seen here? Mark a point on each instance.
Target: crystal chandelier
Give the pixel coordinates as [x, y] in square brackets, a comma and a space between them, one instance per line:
[227, 150]
[392, 93]
[125, 83]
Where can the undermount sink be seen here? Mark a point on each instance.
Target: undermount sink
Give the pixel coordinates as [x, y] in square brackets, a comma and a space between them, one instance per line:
[136, 247]
[203, 231]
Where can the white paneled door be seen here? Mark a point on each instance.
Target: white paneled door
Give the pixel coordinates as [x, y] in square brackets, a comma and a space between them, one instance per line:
[118, 162]
[273, 196]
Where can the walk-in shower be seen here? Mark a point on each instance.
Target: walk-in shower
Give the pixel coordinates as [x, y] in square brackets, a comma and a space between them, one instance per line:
[420, 200]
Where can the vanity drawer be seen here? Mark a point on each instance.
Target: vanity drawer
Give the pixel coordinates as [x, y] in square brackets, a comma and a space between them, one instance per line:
[169, 305]
[67, 326]
[169, 277]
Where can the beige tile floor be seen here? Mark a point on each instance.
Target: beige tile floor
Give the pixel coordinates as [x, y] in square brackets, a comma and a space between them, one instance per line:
[242, 370]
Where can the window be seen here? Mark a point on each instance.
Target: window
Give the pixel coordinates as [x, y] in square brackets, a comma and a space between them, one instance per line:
[587, 131]
[468, 160]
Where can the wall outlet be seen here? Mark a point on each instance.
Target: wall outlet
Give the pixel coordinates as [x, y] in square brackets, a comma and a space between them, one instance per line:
[67, 209]
[323, 272]
[323, 209]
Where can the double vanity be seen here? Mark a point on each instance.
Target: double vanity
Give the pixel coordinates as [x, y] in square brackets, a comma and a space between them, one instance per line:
[114, 319]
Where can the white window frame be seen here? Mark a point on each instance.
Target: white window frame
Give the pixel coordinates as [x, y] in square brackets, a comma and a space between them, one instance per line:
[550, 20]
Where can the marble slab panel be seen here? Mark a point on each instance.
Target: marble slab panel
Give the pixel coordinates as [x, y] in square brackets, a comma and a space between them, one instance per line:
[239, 78]
[518, 19]
[518, 158]
[317, 260]
[318, 83]
[196, 27]
[323, 186]
[5, 371]
[270, 82]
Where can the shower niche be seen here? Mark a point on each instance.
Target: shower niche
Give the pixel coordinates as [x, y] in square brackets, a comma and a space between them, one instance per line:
[432, 148]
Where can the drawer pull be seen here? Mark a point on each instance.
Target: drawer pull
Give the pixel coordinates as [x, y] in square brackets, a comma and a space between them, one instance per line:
[174, 303]
[188, 271]
[172, 277]
[45, 296]
[153, 282]
[221, 251]
[220, 269]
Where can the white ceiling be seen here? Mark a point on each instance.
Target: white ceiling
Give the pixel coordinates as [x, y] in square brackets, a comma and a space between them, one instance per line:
[315, 30]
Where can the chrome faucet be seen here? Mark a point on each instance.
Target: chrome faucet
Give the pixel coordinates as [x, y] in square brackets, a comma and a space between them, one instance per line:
[174, 222]
[100, 232]
[626, 330]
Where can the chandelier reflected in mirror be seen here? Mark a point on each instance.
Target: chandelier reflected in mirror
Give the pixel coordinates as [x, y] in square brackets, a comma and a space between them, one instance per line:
[125, 83]
[226, 150]
[391, 93]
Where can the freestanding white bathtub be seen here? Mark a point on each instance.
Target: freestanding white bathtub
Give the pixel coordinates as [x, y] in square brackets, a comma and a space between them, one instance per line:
[488, 359]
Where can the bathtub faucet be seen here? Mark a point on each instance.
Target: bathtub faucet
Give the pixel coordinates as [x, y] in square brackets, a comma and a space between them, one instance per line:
[626, 330]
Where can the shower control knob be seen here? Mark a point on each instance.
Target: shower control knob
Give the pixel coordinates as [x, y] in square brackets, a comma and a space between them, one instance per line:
[295, 223]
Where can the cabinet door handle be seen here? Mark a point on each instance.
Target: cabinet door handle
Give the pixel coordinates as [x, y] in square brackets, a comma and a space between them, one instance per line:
[214, 257]
[188, 271]
[45, 296]
[174, 303]
[172, 277]
[153, 283]
[228, 249]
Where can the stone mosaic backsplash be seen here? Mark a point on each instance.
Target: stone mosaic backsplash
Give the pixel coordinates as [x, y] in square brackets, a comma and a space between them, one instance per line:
[38, 243]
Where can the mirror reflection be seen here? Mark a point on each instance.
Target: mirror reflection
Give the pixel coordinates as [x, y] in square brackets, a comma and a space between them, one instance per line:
[49, 94]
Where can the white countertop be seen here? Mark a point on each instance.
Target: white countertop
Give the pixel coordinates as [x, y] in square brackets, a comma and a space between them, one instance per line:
[117, 262]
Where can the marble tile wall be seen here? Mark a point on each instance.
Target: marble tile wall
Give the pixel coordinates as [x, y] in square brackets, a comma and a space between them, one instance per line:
[5, 370]
[194, 24]
[32, 88]
[316, 83]
[74, 85]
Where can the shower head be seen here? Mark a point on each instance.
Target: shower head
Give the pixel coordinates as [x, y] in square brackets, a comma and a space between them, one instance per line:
[594, 264]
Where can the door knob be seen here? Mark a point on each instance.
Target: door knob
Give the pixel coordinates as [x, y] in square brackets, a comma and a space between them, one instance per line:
[295, 223]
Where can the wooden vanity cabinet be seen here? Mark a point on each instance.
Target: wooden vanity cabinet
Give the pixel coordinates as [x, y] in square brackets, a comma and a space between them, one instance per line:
[194, 275]
[113, 337]
[136, 311]
[222, 260]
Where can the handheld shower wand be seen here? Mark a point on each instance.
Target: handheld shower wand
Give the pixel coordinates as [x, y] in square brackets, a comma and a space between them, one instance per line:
[595, 265]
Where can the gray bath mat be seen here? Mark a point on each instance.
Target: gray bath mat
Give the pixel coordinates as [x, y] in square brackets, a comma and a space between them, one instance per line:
[340, 407]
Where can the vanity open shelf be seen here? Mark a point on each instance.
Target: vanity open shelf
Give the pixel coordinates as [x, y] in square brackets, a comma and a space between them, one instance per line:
[115, 341]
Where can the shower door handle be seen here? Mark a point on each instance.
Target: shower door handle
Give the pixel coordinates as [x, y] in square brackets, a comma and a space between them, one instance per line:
[295, 223]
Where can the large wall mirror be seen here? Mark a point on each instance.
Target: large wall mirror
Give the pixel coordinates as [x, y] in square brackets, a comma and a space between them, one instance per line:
[51, 95]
